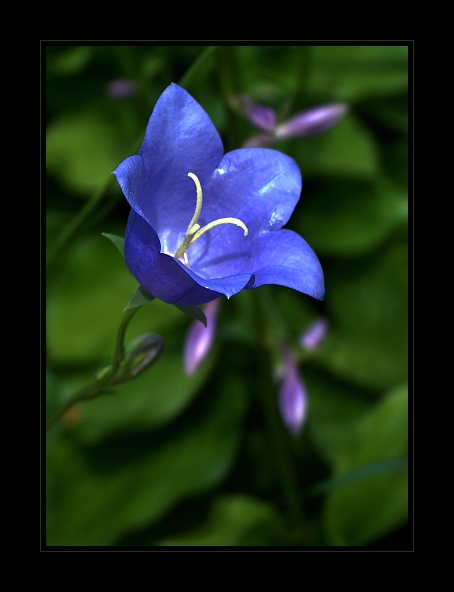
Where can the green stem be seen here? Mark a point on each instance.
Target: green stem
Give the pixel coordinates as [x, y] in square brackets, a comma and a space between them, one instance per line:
[95, 389]
[72, 227]
[275, 428]
[227, 69]
[197, 65]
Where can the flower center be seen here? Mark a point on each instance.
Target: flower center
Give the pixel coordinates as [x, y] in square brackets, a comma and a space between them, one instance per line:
[194, 232]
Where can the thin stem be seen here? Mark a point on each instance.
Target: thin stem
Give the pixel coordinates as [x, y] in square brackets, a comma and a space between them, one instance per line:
[196, 66]
[274, 425]
[79, 219]
[227, 69]
[95, 389]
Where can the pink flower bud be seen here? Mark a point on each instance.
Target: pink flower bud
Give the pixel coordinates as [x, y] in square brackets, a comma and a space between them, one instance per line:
[260, 116]
[199, 339]
[311, 121]
[121, 88]
[313, 336]
[292, 398]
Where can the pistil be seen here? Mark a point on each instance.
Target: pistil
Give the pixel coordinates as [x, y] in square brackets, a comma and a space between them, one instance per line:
[194, 232]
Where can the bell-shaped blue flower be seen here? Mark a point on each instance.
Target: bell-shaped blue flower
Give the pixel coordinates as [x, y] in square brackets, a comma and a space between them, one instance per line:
[205, 224]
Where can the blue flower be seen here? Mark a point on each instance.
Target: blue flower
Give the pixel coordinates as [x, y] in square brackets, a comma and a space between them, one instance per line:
[205, 224]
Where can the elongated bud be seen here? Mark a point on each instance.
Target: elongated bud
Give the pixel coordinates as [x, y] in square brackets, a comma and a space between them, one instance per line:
[200, 339]
[292, 397]
[140, 353]
[259, 116]
[313, 337]
[311, 121]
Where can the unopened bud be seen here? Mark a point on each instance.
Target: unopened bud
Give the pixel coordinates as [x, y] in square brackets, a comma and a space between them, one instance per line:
[292, 397]
[313, 337]
[121, 88]
[140, 353]
[200, 339]
[311, 121]
[259, 116]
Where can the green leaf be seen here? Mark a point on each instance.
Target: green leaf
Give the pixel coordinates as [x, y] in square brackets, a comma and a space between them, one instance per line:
[357, 71]
[118, 241]
[68, 61]
[82, 149]
[367, 302]
[234, 520]
[383, 467]
[347, 149]
[85, 303]
[334, 411]
[98, 493]
[194, 312]
[139, 298]
[361, 511]
[345, 217]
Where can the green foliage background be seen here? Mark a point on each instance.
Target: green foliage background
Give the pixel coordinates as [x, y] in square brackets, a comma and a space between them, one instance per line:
[170, 460]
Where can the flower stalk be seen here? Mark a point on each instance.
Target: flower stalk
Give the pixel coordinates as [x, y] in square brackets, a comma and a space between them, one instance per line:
[103, 379]
[278, 436]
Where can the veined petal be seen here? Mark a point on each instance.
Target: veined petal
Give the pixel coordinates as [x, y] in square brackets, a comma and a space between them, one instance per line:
[167, 278]
[133, 181]
[282, 258]
[180, 138]
[285, 259]
[258, 186]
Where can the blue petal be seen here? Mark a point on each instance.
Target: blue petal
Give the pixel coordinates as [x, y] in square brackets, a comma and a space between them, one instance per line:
[281, 257]
[257, 185]
[165, 277]
[285, 259]
[180, 138]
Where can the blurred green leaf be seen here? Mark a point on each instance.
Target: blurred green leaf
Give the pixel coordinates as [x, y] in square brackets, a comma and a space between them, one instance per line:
[82, 148]
[85, 304]
[347, 149]
[367, 302]
[345, 217]
[359, 513]
[235, 520]
[69, 60]
[98, 493]
[334, 412]
[352, 72]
